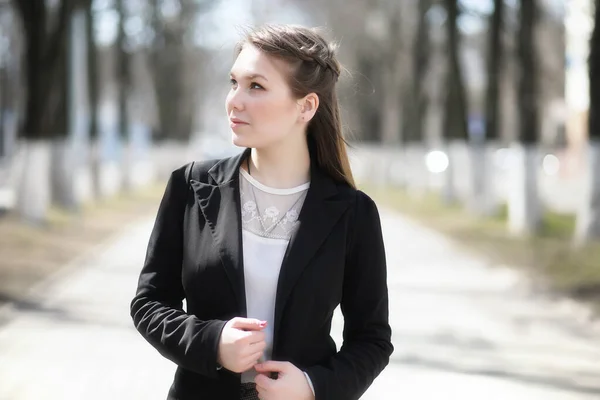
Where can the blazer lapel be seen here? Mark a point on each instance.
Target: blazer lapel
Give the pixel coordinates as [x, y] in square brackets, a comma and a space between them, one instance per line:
[219, 201]
[220, 205]
[319, 214]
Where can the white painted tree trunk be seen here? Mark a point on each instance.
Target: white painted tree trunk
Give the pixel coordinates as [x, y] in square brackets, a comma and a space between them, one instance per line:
[482, 200]
[95, 170]
[416, 175]
[63, 175]
[449, 191]
[588, 217]
[126, 167]
[391, 105]
[34, 188]
[524, 206]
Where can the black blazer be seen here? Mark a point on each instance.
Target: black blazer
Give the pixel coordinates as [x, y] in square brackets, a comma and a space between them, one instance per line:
[195, 253]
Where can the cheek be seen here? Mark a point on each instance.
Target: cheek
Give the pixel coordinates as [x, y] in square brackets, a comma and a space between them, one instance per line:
[274, 112]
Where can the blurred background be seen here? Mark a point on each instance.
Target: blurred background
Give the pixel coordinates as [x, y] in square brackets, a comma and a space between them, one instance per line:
[476, 120]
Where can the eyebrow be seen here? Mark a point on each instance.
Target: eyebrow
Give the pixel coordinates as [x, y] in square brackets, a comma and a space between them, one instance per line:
[251, 76]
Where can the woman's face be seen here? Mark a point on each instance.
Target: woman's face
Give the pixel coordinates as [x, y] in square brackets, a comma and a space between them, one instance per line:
[260, 105]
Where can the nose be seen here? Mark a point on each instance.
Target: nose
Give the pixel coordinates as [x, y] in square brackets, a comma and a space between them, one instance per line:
[234, 100]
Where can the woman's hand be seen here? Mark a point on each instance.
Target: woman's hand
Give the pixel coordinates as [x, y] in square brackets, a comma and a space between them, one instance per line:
[291, 383]
[241, 344]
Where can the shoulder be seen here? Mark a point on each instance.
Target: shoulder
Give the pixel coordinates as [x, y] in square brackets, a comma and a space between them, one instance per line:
[194, 170]
[361, 201]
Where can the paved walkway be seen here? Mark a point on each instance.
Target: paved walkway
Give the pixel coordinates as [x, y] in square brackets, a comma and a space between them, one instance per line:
[462, 330]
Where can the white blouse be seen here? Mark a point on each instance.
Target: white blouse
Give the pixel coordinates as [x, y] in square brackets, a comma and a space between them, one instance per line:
[269, 218]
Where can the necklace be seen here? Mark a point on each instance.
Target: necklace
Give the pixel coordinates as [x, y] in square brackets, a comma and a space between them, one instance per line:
[261, 218]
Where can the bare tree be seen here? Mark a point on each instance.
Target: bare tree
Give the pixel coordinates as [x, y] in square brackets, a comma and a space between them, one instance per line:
[123, 71]
[415, 97]
[456, 101]
[176, 67]
[494, 67]
[45, 31]
[524, 203]
[93, 76]
[588, 219]
[455, 104]
[482, 199]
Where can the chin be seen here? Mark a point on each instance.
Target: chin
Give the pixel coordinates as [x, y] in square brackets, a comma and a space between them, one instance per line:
[239, 141]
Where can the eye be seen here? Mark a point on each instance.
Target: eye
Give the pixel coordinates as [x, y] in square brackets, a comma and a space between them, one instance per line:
[255, 85]
[232, 82]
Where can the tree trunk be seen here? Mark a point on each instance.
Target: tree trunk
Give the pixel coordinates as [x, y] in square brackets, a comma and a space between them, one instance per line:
[369, 116]
[421, 52]
[34, 185]
[46, 100]
[524, 204]
[392, 93]
[3, 108]
[455, 117]
[483, 201]
[494, 68]
[588, 218]
[123, 73]
[45, 109]
[93, 96]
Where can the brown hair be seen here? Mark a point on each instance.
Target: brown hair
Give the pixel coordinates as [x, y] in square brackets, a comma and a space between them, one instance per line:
[315, 69]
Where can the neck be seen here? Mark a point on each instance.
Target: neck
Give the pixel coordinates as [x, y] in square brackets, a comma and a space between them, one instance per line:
[283, 165]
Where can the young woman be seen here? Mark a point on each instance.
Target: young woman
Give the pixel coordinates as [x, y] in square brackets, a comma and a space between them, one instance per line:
[263, 246]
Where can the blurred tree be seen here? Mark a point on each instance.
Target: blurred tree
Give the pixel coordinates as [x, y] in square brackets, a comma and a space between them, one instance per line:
[45, 123]
[93, 76]
[392, 74]
[588, 218]
[93, 73]
[524, 204]
[176, 66]
[415, 98]
[527, 83]
[123, 72]
[455, 128]
[45, 31]
[455, 116]
[494, 68]
[482, 200]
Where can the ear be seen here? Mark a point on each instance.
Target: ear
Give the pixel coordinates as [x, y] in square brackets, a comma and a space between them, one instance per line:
[308, 107]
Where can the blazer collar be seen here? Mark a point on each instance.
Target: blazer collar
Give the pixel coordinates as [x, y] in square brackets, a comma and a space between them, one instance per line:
[221, 208]
[226, 171]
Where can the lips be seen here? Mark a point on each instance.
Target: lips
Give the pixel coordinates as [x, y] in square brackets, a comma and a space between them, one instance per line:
[237, 121]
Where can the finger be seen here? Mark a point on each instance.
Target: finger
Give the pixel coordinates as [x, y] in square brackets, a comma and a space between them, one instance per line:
[264, 382]
[272, 366]
[255, 337]
[252, 353]
[252, 359]
[249, 324]
[247, 365]
[256, 346]
[262, 393]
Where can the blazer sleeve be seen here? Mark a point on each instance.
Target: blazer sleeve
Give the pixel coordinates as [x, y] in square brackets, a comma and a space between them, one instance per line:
[367, 345]
[157, 308]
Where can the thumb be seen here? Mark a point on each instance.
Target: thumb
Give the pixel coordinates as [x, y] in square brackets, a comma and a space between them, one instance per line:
[272, 366]
[251, 324]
